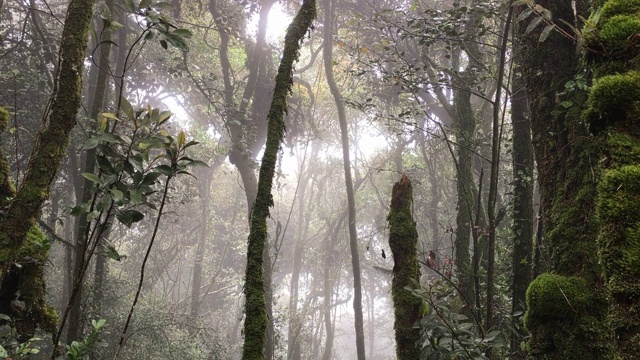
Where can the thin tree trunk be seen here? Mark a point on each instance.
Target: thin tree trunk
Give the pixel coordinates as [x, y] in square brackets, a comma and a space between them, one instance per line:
[196, 282]
[353, 235]
[522, 209]
[256, 317]
[82, 226]
[493, 183]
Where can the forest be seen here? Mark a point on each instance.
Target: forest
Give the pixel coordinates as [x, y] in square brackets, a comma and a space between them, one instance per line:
[330, 179]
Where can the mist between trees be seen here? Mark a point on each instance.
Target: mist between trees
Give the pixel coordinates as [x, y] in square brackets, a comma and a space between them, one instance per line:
[332, 179]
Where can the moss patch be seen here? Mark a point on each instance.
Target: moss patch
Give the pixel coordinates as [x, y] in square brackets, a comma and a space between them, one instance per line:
[552, 297]
[612, 100]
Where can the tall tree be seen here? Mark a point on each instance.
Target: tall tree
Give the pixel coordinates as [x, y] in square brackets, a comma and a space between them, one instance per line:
[522, 226]
[561, 323]
[50, 145]
[613, 112]
[329, 11]
[255, 312]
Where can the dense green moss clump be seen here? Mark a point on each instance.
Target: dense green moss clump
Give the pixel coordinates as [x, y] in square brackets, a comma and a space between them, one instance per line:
[562, 317]
[613, 99]
[613, 113]
[552, 297]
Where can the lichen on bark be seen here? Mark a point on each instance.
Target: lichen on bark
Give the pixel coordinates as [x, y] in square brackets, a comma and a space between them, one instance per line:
[403, 241]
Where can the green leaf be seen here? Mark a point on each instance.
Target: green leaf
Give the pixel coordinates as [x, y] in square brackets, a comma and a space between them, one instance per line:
[144, 4]
[91, 143]
[136, 196]
[92, 215]
[545, 33]
[177, 41]
[128, 217]
[117, 195]
[92, 177]
[130, 6]
[97, 325]
[78, 209]
[151, 178]
[567, 104]
[127, 108]
[182, 33]
[533, 24]
[112, 254]
[3, 352]
[165, 169]
[104, 164]
[181, 139]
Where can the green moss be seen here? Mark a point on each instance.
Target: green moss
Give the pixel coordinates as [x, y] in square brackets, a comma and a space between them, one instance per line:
[616, 7]
[553, 297]
[623, 149]
[612, 99]
[617, 32]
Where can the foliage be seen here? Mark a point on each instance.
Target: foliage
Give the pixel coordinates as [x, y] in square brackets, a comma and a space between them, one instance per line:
[446, 333]
[131, 163]
[10, 347]
[80, 350]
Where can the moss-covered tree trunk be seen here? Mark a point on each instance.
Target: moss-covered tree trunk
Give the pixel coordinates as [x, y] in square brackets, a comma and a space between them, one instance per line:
[403, 241]
[17, 235]
[613, 114]
[567, 159]
[256, 318]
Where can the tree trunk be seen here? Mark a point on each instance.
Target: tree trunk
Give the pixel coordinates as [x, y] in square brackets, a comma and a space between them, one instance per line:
[74, 331]
[522, 208]
[353, 235]
[403, 241]
[48, 153]
[566, 158]
[256, 318]
[613, 112]
[196, 283]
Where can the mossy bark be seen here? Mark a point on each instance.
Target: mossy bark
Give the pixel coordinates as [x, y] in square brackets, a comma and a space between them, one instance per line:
[613, 113]
[403, 241]
[256, 318]
[20, 242]
[567, 160]
[22, 290]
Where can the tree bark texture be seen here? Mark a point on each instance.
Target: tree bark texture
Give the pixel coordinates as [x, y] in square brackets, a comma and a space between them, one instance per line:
[255, 312]
[522, 227]
[17, 224]
[403, 241]
[613, 112]
[566, 158]
[97, 96]
[327, 51]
